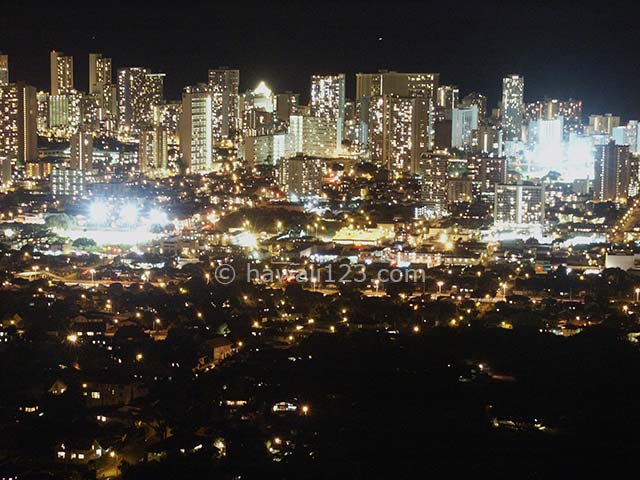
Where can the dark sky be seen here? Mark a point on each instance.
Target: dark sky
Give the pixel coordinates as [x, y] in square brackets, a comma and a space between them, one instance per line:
[564, 49]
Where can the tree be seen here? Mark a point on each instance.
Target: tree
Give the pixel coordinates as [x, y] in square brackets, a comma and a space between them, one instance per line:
[84, 242]
[62, 221]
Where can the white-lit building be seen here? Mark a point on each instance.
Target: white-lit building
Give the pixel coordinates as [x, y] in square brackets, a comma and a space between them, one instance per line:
[61, 73]
[433, 168]
[196, 129]
[301, 176]
[139, 91]
[81, 148]
[519, 204]
[327, 101]
[67, 181]
[512, 107]
[464, 121]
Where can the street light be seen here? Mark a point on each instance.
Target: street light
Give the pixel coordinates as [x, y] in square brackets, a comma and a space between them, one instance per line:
[92, 272]
[440, 283]
[637, 294]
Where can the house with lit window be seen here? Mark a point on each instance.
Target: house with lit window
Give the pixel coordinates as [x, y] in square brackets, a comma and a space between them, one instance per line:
[79, 451]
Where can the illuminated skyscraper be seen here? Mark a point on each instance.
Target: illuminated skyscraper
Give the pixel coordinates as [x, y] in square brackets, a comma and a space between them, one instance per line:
[265, 149]
[153, 151]
[18, 123]
[139, 91]
[477, 99]
[603, 124]
[433, 168]
[5, 172]
[309, 135]
[99, 72]
[223, 84]
[371, 88]
[167, 117]
[327, 101]
[464, 122]
[81, 147]
[512, 106]
[612, 172]
[518, 204]
[61, 73]
[398, 132]
[399, 84]
[628, 135]
[196, 128]
[301, 175]
[493, 171]
[43, 113]
[552, 109]
[447, 97]
[4, 70]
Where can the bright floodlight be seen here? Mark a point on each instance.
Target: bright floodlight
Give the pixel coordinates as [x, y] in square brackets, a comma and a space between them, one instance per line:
[129, 214]
[99, 212]
[157, 216]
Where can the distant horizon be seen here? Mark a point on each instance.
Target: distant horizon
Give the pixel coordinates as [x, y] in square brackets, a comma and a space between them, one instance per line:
[563, 51]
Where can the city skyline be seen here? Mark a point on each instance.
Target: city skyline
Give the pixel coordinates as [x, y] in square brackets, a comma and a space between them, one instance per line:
[561, 61]
[319, 241]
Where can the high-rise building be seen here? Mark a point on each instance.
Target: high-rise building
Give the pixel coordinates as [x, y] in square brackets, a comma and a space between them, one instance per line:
[58, 111]
[196, 127]
[312, 136]
[153, 150]
[612, 172]
[99, 73]
[447, 97]
[67, 181]
[327, 101]
[399, 84]
[518, 204]
[546, 132]
[18, 122]
[552, 109]
[301, 176]
[266, 149]
[43, 113]
[464, 122]
[81, 151]
[223, 84]
[433, 168]
[398, 132]
[459, 190]
[5, 172]
[61, 73]
[376, 95]
[286, 105]
[139, 91]
[628, 135]
[4, 70]
[512, 106]
[493, 171]
[477, 99]
[603, 124]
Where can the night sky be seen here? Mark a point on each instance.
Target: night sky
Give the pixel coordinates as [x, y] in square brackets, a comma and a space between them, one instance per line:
[563, 50]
